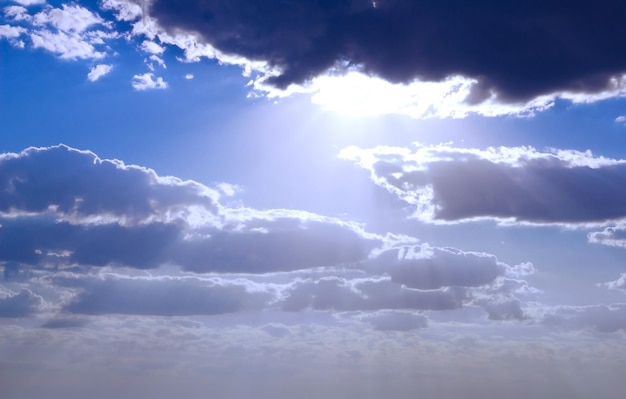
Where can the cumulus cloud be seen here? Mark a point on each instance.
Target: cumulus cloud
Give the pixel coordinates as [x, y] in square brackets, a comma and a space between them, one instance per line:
[444, 183]
[98, 71]
[147, 81]
[517, 51]
[70, 31]
[621, 120]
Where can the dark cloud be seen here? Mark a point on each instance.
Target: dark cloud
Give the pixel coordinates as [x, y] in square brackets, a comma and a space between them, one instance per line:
[24, 304]
[163, 297]
[517, 49]
[449, 184]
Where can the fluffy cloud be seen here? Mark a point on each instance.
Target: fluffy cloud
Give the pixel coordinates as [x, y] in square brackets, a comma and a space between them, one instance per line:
[502, 46]
[444, 183]
[614, 236]
[70, 32]
[147, 81]
[98, 71]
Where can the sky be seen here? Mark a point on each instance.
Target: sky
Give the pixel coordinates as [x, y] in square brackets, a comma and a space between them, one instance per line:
[312, 198]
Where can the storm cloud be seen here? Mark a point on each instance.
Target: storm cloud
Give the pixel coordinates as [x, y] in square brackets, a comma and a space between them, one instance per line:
[516, 50]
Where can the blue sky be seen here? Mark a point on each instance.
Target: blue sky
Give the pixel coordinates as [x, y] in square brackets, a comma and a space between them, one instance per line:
[312, 199]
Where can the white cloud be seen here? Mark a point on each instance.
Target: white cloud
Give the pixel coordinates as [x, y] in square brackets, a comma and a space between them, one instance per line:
[152, 47]
[614, 236]
[17, 13]
[98, 71]
[619, 284]
[72, 18]
[65, 46]
[189, 76]
[30, 2]
[11, 31]
[147, 81]
[621, 120]
[126, 10]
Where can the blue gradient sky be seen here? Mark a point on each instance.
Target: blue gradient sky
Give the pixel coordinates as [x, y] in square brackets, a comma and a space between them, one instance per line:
[181, 225]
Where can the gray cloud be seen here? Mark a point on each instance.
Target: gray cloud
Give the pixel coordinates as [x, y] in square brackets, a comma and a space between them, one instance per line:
[428, 268]
[23, 304]
[395, 321]
[335, 293]
[517, 50]
[446, 184]
[603, 318]
[77, 183]
[163, 297]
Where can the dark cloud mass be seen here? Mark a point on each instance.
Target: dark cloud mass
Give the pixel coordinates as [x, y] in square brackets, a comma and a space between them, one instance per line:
[517, 49]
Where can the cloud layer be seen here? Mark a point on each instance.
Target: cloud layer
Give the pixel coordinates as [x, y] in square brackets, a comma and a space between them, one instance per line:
[80, 228]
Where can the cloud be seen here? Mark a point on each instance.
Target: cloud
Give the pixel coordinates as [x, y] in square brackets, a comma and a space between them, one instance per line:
[147, 81]
[159, 296]
[30, 2]
[602, 318]
[61, 200]
[444, 183]
[70, 32]
[23, 304]
[75, 183]
[67, 215]
[619, 284]
[395, 321]
[621, 120]
[428, 268]
[517, 51]
[98, 71]
[614, 236]
[152, 47]
[189, 76]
